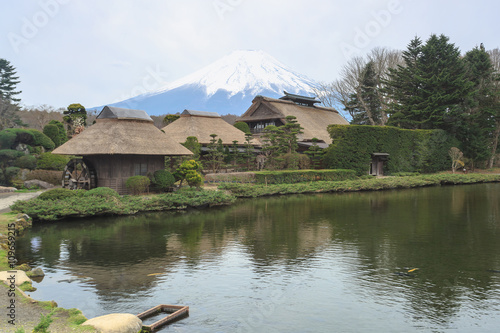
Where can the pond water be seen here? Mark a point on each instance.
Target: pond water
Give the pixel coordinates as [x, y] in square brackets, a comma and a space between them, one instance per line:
[305, 263]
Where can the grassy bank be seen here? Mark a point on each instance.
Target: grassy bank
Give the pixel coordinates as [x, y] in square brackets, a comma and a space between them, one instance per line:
[369, 184]
[40, 209]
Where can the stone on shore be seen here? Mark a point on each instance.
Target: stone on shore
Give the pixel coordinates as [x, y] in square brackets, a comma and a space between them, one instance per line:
[116, 323]
[19, 277]
[4, 189]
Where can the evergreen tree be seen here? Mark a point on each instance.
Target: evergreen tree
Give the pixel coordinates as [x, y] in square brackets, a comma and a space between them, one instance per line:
[63, 136]
[215, 155]
[428, 91]
[194, 146]
[289, 134]
[8, 82]
[75, 116]
[315, 154]
[9, 116]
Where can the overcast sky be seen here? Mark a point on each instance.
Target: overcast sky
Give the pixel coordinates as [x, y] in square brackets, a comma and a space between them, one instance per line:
[96, 52]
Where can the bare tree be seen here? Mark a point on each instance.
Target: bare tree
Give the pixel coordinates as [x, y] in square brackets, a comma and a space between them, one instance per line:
[340, 92]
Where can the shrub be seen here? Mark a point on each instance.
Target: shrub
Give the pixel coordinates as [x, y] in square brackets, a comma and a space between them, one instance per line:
[137, 184]
[162, 180]
[242, 126]
[194, 179]
[63, 135]
[40, 139]
[299, 176]
[185, 167]
[104, 192]
[60, 193]
[10, 172]
[26, 162]
[295, 161]
[52, 131]
[49, 161]
[49, 176]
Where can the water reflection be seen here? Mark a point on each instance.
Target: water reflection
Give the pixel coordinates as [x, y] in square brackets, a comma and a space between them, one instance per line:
[333, 256]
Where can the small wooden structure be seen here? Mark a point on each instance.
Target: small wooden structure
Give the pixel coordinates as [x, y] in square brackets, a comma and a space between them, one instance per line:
[266, 111]
[122, 143]
[176, 312]
[377, 163]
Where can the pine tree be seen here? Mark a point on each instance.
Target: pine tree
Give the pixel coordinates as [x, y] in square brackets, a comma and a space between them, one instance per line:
[8, 82]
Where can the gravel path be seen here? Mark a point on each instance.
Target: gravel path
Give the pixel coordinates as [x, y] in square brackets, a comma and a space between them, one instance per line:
[7, 199]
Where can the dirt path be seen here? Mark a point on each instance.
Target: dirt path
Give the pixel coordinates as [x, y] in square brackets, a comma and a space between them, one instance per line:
[7, 199]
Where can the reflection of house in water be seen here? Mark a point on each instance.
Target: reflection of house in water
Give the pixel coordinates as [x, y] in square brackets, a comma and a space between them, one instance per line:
[266, 111]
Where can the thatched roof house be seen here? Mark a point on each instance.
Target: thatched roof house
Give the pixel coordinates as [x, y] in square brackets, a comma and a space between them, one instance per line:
[266, 111]
[201, 125]
[122, 143]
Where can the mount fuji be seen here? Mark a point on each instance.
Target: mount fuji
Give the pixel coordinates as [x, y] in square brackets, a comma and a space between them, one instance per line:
[226, 86]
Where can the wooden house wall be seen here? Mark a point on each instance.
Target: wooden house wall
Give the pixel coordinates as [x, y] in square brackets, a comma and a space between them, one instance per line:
[114, 170]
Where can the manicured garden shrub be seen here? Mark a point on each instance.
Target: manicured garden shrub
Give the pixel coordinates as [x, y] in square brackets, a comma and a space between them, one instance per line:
[193, 178]
[49, 161]
[162, 180]
[52, 131]
[49, 176]
[10, 136]
[409, 150]
[104, 192]
[294, 161]
[26, 162]
[242, 126]
[137, 184]
[60, 193]
[300, 176]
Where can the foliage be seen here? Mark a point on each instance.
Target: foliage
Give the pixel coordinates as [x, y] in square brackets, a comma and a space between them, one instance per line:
[104, 192]
[60, 193]
[409, 150]
[52, 131]
[137, 184]
[215, 157]
[9, 114]
[44, 323]
[26, 162]
[63, 135]
[456, 158]
[430, 87]
[170, 118]
[75, 116]
[193, 178]
[49, 176]
[49, 161]
[294, 161]
[242, 126]
[315, 154]
[193, 145]
[8, 82]
[85, 206]
[11, 136]
[368, 184]
[185, 167]
[7, 171]
[162, 180]
[299, 176]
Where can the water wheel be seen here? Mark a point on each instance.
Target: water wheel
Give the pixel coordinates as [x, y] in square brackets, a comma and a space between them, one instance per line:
[79, 174]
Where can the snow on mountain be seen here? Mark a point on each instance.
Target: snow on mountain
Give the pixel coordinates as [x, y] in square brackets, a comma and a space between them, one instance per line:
[226, 86]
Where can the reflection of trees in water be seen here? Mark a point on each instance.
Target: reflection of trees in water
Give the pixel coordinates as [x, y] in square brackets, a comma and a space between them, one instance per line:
[383, 231]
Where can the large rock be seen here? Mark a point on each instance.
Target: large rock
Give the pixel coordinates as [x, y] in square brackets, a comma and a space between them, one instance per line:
[36, 182]
[19, 277]
[4, 189]
[116, 323]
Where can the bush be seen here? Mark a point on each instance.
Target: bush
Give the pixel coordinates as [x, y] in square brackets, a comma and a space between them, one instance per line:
[242, 126]
[194, 179]
[104, 192]
[162, 180]
[26, 162]
[137, 184]
[60, 193]
[40, 139]
[52, 131]
[63, 135]
[49, 176]
[300, 176]
[10, 172]
[49, 161]
[295, 161]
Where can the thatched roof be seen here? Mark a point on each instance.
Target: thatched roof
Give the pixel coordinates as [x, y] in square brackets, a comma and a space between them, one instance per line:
[122, 135]
[314, 119]
[112, 112]
[201, 124]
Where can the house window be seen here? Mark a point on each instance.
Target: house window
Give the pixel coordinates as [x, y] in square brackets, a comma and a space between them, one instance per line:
[140, 169]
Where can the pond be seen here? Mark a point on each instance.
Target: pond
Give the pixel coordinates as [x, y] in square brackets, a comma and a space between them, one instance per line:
[419, 260]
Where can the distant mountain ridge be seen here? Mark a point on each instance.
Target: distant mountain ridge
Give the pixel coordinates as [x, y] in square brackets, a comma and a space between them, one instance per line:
[226, 86]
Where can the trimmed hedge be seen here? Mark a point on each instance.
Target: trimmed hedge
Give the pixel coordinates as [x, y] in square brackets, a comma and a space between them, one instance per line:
[49, 161]
[137, 184]
[300, 176]
[423, 151]
[60, 194]
[49, 176]
[104, 192]
[162, 180]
